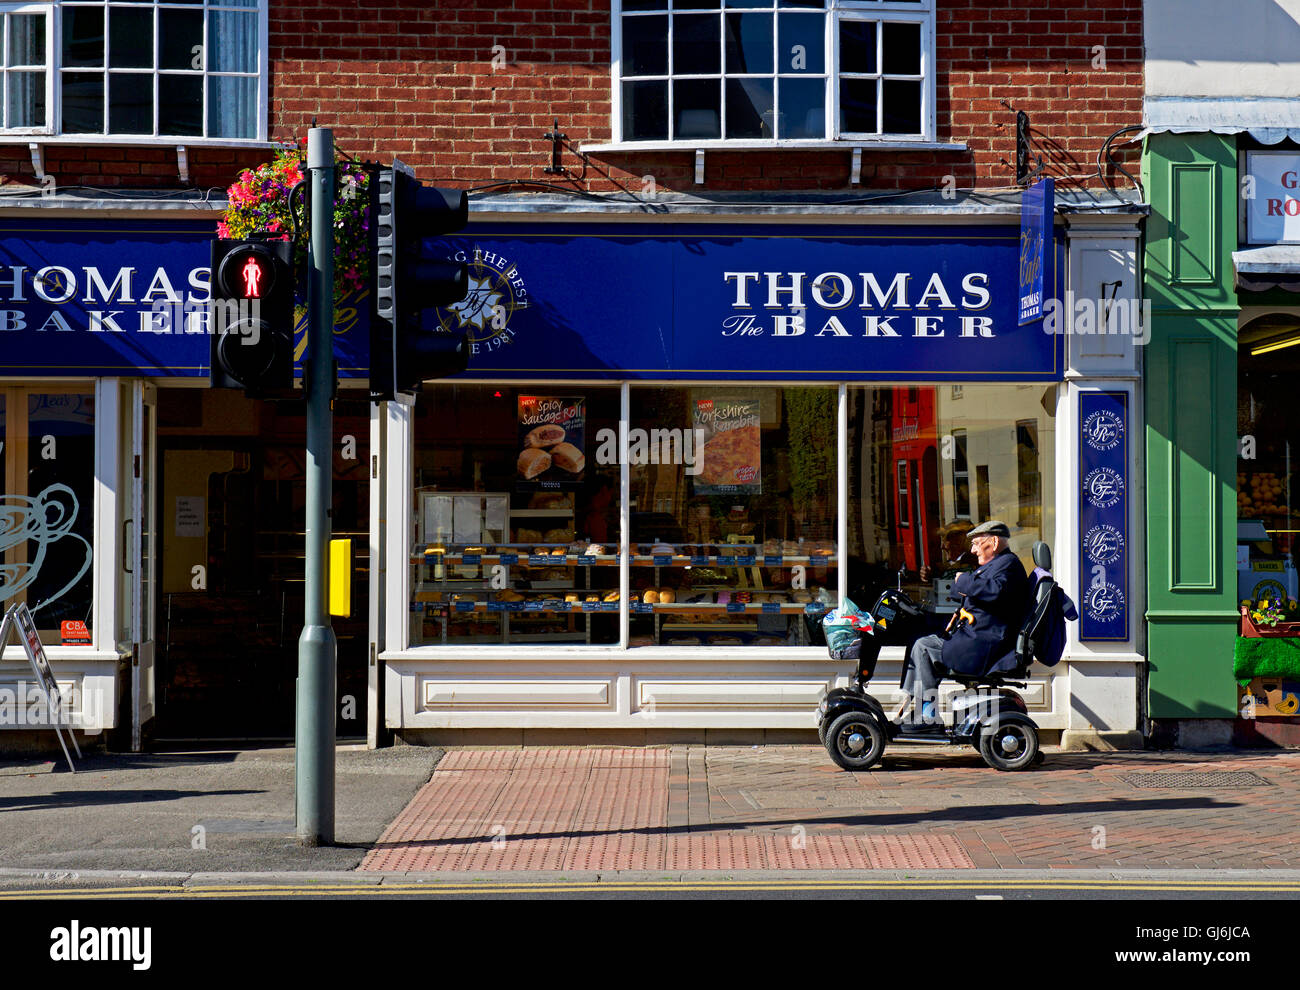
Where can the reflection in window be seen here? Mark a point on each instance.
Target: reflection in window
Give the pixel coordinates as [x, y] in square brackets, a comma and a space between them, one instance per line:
[48, 504]
[931, 445]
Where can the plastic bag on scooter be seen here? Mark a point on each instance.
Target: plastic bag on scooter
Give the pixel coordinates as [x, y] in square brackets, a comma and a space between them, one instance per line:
[844, 627]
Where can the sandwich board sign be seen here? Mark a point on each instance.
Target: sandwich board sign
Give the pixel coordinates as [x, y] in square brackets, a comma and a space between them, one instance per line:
[19, 618]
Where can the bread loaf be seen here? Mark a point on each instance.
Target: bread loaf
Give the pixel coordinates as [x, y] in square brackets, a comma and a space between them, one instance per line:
[533, 461]
[569, 457]
[545, 436]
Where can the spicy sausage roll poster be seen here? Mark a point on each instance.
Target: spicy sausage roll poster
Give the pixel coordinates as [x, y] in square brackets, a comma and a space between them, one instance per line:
[552, 447]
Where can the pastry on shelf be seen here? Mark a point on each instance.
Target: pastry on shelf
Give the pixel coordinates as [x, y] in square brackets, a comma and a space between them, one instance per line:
[651, 596]
[592, 599]
[597, 550]
[613, 596]
[509, 595]
[667, 596]
[559, 552]
[571, 597]
[528, 535]
[474, 550]
[661, 550]
[802, 597]
[790, 548]
[772, 548]
[435, 548]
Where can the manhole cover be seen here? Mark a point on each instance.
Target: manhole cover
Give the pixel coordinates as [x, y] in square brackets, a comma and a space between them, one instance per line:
[1212, 778]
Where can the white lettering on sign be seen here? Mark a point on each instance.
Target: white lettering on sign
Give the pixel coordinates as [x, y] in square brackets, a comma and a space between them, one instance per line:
[190, 517]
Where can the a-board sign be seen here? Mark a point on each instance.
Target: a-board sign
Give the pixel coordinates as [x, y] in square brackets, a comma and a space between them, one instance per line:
[19, 617]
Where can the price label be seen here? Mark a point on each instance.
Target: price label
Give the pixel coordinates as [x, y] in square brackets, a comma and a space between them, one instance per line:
[464, 606]
[539, 560]
[496, 606]
[471, 558]
[609, 606]
[510, 558]
[554, 605]
[771, 561]
[663, 560]
[591, 606]
[745, 560]
[728, 560]
[532, 606]
[643, 607]
[515, 606]
[771, 608]
[735, 606]
[586, 560]
[700, 561]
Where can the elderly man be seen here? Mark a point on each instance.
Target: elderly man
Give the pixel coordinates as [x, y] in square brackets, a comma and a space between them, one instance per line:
[995, 595]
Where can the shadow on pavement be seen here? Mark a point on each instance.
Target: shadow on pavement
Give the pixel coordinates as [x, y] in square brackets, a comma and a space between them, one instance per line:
[78, 799]
[880, 819]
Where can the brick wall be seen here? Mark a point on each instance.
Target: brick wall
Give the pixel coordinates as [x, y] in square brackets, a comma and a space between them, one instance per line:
[418, 82]
[415, 80]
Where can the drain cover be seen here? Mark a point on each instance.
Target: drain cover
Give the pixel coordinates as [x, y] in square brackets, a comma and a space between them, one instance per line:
[1212, 778]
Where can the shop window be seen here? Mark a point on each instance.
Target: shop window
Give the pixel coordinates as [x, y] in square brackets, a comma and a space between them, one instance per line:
[170, 71]
[750, 540]
[921, 538]
[1268, 448]
[774, 70]
[47, 523]
[515, 535]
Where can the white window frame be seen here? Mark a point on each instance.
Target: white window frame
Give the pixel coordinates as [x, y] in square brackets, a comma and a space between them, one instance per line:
[920, 11]
[53, 133]
[50, 37]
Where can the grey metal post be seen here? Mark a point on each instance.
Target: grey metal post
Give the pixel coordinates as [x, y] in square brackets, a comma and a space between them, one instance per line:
[314, 756]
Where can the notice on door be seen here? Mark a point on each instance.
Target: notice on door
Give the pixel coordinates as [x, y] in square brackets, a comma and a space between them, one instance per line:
[189, 516]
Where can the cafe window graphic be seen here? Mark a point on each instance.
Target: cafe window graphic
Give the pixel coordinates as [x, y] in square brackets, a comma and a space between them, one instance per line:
[46, 509]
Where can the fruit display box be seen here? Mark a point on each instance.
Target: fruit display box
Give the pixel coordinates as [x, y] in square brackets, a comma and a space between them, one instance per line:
[1272, 697]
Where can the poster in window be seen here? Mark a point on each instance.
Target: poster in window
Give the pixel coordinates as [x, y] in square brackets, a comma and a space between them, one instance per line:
[552, 443]
[730, 431]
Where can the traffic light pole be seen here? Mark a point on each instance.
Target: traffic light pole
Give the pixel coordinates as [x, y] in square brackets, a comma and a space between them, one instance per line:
[314, 755]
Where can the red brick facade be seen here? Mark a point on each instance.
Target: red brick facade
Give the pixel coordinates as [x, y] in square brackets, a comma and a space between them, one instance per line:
[416, 80]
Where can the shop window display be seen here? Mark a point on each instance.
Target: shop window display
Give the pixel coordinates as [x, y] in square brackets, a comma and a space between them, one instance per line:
[47, 522]
[1268, 511]
[516, 531]
[733, 494]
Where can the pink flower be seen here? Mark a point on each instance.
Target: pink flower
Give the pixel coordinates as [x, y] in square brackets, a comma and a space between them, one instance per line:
[223, 230]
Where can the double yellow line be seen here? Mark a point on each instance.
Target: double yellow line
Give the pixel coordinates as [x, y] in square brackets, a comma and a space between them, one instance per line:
[234, 890]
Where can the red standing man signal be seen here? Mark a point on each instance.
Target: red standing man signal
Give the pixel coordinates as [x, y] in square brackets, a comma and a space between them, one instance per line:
[252, 273]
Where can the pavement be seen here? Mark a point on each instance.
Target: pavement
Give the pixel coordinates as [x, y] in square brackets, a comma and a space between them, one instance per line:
[416, 814]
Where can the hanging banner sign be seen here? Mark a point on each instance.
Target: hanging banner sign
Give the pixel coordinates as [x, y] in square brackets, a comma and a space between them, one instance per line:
[1103, 516]
[1037, 209]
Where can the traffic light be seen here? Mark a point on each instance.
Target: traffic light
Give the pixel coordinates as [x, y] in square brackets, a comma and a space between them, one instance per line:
[251, 325]
[404, 351]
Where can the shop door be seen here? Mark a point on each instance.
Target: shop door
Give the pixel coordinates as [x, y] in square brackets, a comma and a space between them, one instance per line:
[142, 548]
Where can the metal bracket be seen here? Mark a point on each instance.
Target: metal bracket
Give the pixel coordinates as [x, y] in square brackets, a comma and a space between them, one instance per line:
[183, 164]
[1023, 173]
[557, 143]
[38, 159]
[699, 166]
[855, 175]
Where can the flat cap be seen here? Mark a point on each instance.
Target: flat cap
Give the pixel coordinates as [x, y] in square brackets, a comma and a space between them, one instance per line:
[994, 527]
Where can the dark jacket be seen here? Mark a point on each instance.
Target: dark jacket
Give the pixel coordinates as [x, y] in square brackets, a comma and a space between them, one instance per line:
[1050, 643]
[997, 595]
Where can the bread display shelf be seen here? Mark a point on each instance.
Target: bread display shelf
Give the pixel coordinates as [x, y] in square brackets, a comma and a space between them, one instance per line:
[675, 608]
[611, 560]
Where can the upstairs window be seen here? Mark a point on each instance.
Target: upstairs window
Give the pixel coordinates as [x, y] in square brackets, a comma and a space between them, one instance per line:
[694, 71]
[139, 69]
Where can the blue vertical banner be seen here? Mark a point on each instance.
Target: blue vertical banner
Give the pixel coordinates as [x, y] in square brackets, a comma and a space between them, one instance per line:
[1037, 209]
[1103, 516]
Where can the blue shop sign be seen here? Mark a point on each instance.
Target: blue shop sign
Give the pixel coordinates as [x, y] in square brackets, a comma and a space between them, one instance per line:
[1037, 210]
[122, 297]
[611, 301]
[1103, 516]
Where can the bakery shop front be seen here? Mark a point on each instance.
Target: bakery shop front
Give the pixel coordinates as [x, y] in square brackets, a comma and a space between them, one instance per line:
[677, 434]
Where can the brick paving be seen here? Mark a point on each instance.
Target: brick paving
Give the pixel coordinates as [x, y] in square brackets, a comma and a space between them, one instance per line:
[790, 808]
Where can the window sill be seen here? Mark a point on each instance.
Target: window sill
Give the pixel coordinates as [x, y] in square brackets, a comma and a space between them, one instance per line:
[114, 140]
[621, 147]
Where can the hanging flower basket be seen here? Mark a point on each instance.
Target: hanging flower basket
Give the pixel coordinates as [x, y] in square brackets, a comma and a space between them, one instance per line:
[259, 201]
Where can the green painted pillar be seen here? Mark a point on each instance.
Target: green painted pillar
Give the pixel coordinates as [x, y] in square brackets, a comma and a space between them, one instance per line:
[1191, 425]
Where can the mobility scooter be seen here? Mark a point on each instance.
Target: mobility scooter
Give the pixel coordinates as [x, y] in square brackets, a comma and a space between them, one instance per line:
[987, 715]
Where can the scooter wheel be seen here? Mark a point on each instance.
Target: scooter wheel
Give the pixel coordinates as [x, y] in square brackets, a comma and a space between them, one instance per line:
[855, 741]
[1009, 746]
[821, 732]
